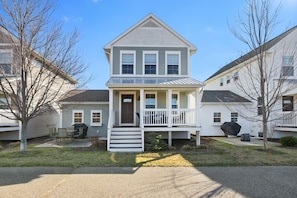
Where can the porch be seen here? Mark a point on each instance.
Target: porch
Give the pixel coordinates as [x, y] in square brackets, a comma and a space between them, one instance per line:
[286, 122]
[172, 112]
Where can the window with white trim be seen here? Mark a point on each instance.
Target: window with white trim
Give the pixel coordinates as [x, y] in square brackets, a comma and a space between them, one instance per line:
[6, 61]
[77, 116]
[172, 63]
[234, 116]
[221, 82]
[150, 101]
[96, 118]
[150, 62]
[288, 103]
[3, 103]
[174, 102]
[216, 117]
[259, 105]
[227, 79]
[127, 62]
[236, 76]
[288, 65]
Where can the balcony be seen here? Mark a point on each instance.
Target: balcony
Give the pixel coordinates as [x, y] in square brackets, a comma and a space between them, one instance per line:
[286, 122]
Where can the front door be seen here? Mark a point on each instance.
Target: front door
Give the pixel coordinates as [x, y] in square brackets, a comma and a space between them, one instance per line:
[127, 115]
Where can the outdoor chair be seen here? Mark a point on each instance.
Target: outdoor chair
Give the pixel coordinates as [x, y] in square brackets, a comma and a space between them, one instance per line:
[80, 132]
[52, 132]
[62, 134]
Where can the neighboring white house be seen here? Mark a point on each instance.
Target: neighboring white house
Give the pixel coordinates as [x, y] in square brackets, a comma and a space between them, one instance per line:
[150, 88]
[37, 127]
[216, 108]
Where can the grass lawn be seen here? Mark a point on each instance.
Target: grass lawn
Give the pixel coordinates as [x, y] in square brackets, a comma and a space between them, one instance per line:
[211, 153]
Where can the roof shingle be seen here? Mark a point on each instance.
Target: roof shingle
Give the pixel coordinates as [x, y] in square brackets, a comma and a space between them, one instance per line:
[221, 96]
[86, 96]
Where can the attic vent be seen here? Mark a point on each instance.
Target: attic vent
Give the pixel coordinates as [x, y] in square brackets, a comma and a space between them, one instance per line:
[150, 24]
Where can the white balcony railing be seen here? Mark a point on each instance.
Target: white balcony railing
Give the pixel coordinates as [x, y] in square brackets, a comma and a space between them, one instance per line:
[159, 117]
[4, 120]
[287, 120]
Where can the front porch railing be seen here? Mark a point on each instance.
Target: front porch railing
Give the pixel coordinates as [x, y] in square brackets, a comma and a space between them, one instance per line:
[159, 117]
[287, 120]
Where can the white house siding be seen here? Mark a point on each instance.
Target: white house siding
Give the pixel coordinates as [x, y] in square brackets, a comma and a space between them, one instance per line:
[67, 110]
[209, 128]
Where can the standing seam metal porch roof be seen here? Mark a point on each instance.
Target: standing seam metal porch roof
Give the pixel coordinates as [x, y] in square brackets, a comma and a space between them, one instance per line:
[153, 82]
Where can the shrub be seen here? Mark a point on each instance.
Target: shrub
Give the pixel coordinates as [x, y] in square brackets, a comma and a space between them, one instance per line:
[186, 148]
[288, 141]
[154, 142]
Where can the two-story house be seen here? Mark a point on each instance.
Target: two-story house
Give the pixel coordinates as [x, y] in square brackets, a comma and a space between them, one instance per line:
[150, 88]
[224, 100]
[38, 126]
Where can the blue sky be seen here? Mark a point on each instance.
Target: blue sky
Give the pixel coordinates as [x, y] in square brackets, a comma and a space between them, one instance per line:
[203, 23]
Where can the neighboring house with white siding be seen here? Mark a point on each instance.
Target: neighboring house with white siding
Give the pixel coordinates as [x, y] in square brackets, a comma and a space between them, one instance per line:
[281, 59]
[38, 126]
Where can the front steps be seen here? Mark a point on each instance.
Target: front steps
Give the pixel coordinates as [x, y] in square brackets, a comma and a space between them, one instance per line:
[125, 140]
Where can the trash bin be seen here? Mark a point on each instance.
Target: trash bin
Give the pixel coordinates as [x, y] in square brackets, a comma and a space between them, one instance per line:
[230, 128]
[245, 137]
[81, 125]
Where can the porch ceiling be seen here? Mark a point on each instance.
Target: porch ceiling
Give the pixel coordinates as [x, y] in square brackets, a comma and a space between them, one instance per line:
[153, 82]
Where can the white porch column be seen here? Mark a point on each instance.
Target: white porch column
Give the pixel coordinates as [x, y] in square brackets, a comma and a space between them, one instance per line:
[169, 138]
[197, 104]
[141, 107]
[110, 118]
[169, 107]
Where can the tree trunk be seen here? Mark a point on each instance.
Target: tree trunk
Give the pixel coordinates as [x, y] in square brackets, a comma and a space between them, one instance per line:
[23, 145]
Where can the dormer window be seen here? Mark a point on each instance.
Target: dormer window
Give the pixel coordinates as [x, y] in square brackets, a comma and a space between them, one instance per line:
[150, 62]
[127, 62]
[172, 63]
[6, 61]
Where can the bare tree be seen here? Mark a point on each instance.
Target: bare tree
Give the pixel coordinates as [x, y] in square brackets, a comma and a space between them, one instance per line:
[44, 60]
[263, 81]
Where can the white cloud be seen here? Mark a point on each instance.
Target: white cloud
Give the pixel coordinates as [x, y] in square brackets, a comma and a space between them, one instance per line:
[67, 19]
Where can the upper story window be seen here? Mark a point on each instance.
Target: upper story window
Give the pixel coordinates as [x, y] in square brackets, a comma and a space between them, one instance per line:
[288, 65]
[236, 76]
[288, 103]
[221, 82]
[150, 101]
[127, 62]
[172, 63]
[259, 105]
[77, 116]
[3, 103]
[6, 61]
[228, 79]
[150, 62]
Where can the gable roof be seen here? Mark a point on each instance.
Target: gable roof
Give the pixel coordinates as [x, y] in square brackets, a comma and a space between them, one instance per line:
[36, 55]
[88, 96]
[253, 53]
[150, 21]
[226, 96]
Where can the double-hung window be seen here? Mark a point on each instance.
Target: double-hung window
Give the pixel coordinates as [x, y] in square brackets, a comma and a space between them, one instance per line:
[6, 61]
[228, 79]
[77, 116]
[234, 117]
[221, 82]
[259, 105]
[127, 62]
[150, 101]
[96, 118]
[288, 65]
[174, 101]
[288, 103]
[236, 76]
[216, 117]
[173, 63]
[150, 62]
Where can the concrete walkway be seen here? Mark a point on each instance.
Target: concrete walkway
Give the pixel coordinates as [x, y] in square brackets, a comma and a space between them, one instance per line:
[66, 143]
[236, 141]
[148, 182]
